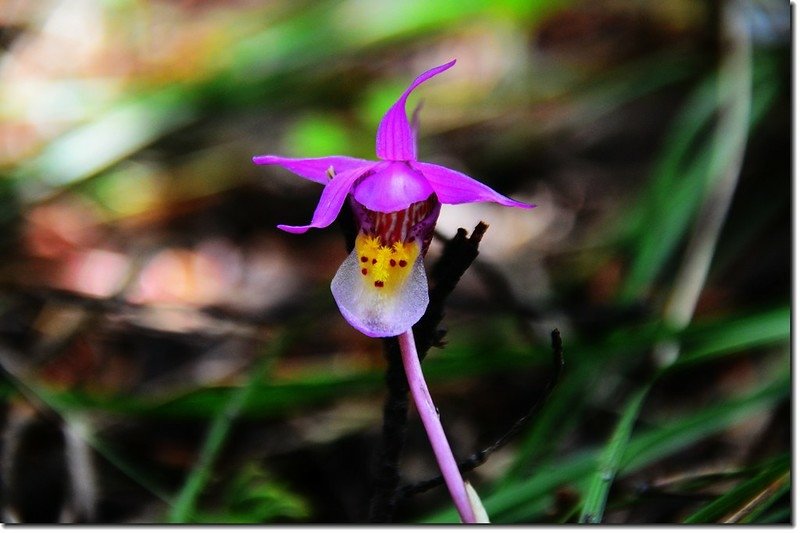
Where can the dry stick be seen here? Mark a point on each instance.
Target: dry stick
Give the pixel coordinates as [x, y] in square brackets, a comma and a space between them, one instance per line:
[480, 457]
[395, 417]
[81, 467]
[457, 256]
[498, 284]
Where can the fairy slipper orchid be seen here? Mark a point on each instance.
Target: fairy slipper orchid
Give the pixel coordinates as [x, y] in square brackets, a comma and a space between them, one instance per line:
[381, 288]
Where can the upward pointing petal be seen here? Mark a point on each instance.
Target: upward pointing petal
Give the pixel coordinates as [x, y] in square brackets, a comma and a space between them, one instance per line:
[453, 187]
[415, 126]
[314, 169]
[395, 139]
[331, 201]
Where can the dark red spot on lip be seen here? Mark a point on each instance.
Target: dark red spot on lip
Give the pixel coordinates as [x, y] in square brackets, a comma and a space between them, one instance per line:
[374, 261]
[363, 258]
[364, 271]
[403, 263]
[379, 284]
[392, 262]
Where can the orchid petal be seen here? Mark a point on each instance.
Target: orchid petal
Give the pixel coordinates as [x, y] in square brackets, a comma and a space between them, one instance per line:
[395, 139]
[378, 313]
[392, 187]
[331, 201]
[453, 187]
[415, 125]
[314, 169]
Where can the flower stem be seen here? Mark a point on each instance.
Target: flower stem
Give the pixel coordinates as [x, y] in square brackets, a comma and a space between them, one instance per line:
[430, 419]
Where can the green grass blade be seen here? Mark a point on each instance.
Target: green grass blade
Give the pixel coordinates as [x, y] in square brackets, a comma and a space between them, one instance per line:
[703, 343]
[764, 500]
[775, 517]
[184, 504]
[610, 461]
[678, 187]
[658, 443]
[746, 500]
[522, 499]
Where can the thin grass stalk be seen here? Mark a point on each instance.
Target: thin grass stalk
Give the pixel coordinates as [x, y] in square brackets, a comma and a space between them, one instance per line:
[736, 77]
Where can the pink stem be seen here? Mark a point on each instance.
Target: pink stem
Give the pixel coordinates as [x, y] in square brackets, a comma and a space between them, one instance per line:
[430, 419]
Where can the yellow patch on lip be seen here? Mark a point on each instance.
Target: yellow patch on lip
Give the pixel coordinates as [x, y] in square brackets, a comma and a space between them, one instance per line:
[385, 268]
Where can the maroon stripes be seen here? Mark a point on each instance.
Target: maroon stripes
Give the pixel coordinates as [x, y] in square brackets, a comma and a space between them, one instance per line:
[398, 225]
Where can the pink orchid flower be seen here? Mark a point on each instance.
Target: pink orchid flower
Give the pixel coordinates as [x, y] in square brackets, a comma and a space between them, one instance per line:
[381, 288]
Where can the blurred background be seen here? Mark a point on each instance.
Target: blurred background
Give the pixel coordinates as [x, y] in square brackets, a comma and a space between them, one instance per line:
[168, 355]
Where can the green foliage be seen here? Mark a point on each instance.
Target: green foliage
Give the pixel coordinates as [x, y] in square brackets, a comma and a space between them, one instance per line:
[610, 461]
[255, 497]
[315, 136]
[525, 500]
[747, 502]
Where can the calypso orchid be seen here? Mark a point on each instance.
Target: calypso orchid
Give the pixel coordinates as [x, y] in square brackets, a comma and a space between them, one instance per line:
[381, 288]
